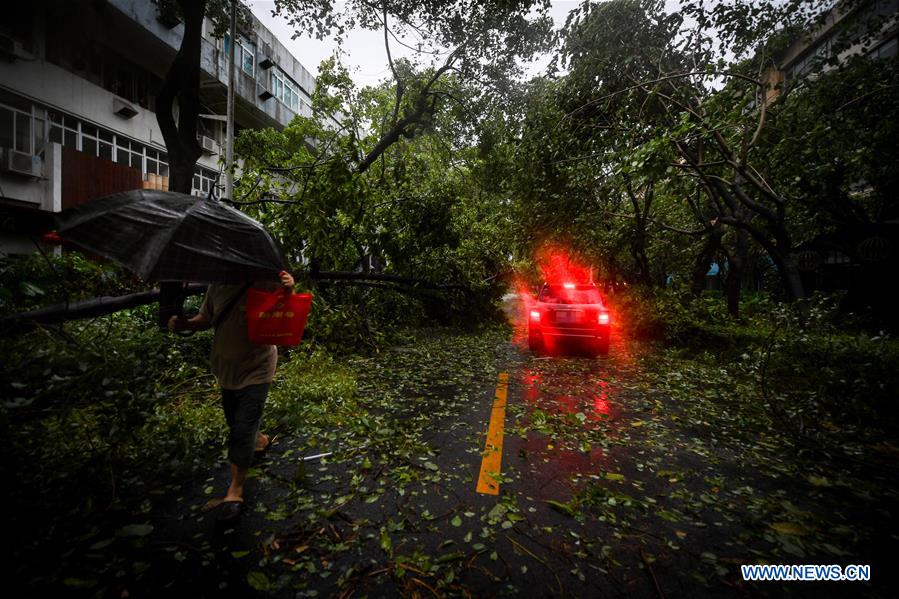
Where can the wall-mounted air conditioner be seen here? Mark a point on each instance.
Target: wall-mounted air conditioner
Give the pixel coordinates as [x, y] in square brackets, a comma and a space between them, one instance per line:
[123, 108]
[208, 144]
[20, 163]
[263, 92]
[12, 49]
[264, 57]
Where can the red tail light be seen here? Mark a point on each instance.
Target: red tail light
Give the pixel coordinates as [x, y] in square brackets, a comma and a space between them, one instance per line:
[603, 318]
[535, 315]
[51, 238]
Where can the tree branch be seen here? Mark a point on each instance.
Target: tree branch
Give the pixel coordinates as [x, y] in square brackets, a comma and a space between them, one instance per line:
[401, 127]
[336, 275]
[91, 308]
[657, 223]
[643, 84]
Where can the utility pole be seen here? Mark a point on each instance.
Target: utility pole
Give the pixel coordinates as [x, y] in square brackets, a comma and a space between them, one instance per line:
[229, 135]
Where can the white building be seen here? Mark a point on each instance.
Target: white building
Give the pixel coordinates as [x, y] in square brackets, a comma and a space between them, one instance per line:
[78, 80]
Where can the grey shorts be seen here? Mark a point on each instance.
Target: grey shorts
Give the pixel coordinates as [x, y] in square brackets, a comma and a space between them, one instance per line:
[243, 412]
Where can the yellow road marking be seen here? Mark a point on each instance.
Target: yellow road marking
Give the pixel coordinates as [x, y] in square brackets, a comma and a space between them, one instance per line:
[493, 449]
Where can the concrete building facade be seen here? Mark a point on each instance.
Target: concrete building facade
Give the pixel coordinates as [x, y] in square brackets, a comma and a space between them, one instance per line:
[78, 80]
[869, 29]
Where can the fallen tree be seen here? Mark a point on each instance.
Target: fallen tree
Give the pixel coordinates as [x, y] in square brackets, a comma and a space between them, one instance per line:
[90, 308]
[101, 306]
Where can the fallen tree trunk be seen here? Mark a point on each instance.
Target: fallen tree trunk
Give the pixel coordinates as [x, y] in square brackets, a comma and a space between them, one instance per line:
[101, 306]
[98, 306]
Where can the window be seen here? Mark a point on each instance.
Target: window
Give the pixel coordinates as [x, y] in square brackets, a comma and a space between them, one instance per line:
[288, 92]
[203, 181]
[30, 130]
[123, 153]
[152, 161]
[7, 126]
[887, 49]
[157, 162]
[248, 57]
[70, 133]
[106, 141]
[244, 53]
[22, 128]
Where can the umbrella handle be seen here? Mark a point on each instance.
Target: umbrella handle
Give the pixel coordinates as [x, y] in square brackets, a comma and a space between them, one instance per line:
[171, 301]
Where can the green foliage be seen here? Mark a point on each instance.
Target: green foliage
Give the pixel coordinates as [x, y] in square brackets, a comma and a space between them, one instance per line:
[675, 316]
[94, 413]
[420, 212]
[833, 144]
[309, 383]
[812, 358]
[34, 280]
[77, 396]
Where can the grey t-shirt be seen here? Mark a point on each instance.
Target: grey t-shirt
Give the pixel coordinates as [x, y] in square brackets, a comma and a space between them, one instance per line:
[236, 362]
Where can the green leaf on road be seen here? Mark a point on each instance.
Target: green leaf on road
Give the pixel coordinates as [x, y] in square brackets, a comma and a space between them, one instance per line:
[259, 581]
[135, 530]
[562, 508]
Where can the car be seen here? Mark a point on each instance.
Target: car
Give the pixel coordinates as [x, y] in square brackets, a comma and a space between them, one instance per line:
[569, 313]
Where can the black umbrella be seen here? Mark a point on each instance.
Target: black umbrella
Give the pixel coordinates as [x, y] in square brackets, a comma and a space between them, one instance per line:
[168, 236]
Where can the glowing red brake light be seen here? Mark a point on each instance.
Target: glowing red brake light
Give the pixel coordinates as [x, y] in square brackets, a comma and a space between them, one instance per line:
[603, 318]
[51, 238]
[535, 315]
[568, 285]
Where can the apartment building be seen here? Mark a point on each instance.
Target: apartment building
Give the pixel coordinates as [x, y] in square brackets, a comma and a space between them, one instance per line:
[78, 80]
[850, 29]
[853, 258]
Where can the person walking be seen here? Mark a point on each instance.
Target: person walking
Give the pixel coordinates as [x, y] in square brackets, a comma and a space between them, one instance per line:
[244, 372]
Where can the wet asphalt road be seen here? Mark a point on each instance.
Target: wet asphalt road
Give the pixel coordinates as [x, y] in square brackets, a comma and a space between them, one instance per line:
[605, 490]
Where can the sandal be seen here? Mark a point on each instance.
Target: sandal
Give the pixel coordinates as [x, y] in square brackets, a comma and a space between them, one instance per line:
[230, 511]
[264, 448]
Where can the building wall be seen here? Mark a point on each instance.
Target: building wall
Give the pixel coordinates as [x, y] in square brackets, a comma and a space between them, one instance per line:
[56, 88]
[869, 30]
[85, 177]
[65, 83]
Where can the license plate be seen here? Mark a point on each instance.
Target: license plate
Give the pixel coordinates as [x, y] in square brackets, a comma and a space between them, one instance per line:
[567, 316]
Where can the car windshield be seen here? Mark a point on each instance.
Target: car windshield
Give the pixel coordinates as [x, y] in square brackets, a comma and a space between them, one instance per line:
[574, 294]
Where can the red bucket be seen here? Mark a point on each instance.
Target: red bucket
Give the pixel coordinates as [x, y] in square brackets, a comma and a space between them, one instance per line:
[278, 317]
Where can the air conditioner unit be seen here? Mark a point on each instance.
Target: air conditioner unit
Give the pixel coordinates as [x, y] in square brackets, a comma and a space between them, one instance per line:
[20, 163]
[264, 56]
[12, 49]
[208, 144]
[263, 92]
[123, 108]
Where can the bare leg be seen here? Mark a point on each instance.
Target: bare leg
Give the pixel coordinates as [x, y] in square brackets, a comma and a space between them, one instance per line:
[238, 478]
[262, 441]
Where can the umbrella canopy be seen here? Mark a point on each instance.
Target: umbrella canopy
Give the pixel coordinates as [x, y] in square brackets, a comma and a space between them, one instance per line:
[168, 236]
